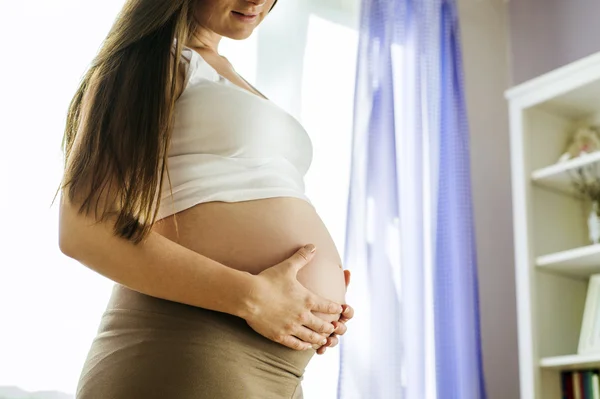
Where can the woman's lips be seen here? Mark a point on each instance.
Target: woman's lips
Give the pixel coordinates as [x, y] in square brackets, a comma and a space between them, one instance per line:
[245, 18]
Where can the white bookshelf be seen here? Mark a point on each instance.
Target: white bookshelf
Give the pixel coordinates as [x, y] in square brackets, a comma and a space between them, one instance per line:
[557, 176]
[571, 362]
[578, 262]
[553, 256]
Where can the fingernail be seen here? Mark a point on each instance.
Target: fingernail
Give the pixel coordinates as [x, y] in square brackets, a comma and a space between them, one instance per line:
[346, 311]
[310, 248]
[323, 342]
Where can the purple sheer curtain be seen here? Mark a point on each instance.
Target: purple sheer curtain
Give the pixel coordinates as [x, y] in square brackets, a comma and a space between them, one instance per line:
[458, 342]
[409, 241]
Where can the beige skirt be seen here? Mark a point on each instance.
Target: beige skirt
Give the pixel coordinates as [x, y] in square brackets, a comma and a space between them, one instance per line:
[151, 348]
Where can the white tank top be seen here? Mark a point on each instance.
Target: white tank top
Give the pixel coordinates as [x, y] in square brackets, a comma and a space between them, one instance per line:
[231, 145]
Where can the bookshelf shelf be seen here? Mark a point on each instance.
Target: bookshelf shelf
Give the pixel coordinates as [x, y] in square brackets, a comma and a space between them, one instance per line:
[571, 362]
[558, 176]
[579, 262]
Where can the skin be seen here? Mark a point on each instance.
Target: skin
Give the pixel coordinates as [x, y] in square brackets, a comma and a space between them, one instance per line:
[216, 19]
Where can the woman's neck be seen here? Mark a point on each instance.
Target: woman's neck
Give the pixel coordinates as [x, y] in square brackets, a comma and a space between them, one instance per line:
[205, 40]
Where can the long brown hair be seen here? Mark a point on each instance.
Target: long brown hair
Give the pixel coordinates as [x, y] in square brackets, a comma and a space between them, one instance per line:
[123, 128]
[123, 133]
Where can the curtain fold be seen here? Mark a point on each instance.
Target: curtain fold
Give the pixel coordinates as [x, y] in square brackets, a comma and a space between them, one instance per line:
[458, 346]
[410, 242]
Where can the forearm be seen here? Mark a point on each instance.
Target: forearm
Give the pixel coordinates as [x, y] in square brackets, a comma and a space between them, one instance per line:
[157, 266]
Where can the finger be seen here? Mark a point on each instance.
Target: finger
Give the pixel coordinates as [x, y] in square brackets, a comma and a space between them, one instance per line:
[294, 343]
[332, 341]
[319, 325]
[340, 328]
[302, 257]
[347, 314]
[311, 337]
[347, 277]
[322, 349]
[321, 305]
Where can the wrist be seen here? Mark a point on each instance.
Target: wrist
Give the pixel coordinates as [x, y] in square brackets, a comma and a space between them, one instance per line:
[246, 299]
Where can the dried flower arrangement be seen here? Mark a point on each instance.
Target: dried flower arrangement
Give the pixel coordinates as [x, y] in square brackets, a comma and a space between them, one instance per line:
[584, 140]
[586, 181]
[586, 184]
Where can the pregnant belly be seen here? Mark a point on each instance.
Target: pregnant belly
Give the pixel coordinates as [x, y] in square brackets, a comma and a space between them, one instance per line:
[255, 235]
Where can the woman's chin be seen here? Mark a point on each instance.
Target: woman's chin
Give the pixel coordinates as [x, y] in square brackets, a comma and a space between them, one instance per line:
[241, 35]
[238, 31]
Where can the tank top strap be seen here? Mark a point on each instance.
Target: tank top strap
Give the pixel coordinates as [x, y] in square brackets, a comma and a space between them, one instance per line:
[197, 69]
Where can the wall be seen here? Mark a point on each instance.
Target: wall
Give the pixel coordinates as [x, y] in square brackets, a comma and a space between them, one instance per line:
[486, 62]
[547, 34]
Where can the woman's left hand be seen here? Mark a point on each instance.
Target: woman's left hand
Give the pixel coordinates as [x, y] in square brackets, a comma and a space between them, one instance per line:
[340, 326]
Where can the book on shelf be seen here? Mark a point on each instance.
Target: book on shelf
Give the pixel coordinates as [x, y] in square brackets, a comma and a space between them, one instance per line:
[580, 384]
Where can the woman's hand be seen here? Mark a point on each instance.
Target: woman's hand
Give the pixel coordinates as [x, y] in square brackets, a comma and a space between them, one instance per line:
[340, 326]
[280, 308]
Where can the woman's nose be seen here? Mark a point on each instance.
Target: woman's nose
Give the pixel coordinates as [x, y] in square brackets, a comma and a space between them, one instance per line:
[257, 2]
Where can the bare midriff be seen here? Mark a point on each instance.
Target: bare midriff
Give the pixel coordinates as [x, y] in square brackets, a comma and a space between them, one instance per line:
[254, 235]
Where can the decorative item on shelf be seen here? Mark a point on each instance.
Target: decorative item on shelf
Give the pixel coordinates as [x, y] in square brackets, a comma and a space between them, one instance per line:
[585, 140]
[586, 183]
[589, 338]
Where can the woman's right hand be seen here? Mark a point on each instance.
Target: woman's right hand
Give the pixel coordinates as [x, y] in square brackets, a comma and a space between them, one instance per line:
[281, 308]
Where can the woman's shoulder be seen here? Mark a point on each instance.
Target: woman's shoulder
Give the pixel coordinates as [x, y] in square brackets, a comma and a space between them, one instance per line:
[194, 69]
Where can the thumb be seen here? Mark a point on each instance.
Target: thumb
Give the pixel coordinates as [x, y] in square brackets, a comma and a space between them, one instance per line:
[302, 257]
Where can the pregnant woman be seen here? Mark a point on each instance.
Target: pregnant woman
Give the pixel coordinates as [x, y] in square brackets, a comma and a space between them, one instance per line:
[184, 185]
